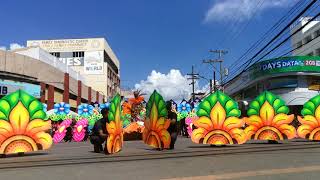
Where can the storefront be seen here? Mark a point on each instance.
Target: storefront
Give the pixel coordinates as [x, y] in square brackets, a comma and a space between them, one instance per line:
[296, 79]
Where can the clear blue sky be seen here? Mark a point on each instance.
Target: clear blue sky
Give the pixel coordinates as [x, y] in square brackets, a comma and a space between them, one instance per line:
[145, 35]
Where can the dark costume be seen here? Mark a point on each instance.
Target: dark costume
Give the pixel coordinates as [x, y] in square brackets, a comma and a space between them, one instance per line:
[95, 137]
[173, 128]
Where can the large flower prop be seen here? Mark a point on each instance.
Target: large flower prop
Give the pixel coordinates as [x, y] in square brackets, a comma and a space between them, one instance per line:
[218, 122]
[85, 110]
[310, 127]
[61, 108]
[268, 119]
[156, 124]
[22, 124]
[79, 130]
[61, 131]
[114, 127]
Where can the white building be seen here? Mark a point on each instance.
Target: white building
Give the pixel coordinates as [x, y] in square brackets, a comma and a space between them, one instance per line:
[307, 41]
[92, 58]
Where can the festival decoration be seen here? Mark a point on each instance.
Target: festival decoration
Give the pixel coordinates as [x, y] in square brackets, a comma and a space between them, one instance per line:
[61, 108]
[79, 130]
[268, 119]
[156, 124]
[114, 127]
[22, 125]
[218, 122]
[61, 131]
[189, 121]
[104, 105]
[184, 107]
[85, 110]
[310, 122]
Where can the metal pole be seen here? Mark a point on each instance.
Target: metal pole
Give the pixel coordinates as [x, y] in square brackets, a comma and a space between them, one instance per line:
[214, 81]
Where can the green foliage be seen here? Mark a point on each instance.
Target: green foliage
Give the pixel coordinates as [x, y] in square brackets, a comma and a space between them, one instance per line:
[157, 100]
[34, 107]
[275, 101]
[310, 106]
[114, 105]
[230, 106]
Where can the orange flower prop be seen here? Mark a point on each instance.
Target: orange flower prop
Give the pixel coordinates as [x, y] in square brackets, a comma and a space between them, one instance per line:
[22, 128]
[155, 132]
[268, 119]
[310, 127]
[218, 122]
[114, 127]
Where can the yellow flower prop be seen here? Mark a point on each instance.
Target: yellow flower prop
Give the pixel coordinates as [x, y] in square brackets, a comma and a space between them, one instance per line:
[310, 127]
[22, 128]
[155, 133]
[268, 119]
[114, 127]
[218, 122]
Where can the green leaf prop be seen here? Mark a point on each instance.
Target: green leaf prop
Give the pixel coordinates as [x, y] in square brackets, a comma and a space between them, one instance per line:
[310, 106]
[115, 103]
[157, 99]
[34, 107]
[275, 101]
[231, 107]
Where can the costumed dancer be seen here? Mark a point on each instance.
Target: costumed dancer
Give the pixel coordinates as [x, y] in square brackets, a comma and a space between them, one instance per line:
[173, 128]
[99, 132]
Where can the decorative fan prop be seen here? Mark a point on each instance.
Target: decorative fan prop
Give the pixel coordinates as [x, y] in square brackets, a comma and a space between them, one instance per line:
[268, 119]
[61, 131]
[22, 125]
[218, 122]
[155, 133]
[310, 122]
[114, 127]
[79, 130]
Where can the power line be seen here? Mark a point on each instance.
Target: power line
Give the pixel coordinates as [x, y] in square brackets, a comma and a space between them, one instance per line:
[272, 29]
[248, 63]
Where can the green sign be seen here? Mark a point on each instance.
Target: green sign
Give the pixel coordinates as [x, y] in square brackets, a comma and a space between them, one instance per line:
[285, 65]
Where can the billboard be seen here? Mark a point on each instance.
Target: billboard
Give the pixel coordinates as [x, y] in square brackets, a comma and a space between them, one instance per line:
[7, 87]
[69, 45]
[93, 62]
[286, 65]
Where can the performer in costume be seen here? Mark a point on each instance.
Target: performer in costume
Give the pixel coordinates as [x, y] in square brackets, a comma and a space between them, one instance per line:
[99, 132]
[173, 128]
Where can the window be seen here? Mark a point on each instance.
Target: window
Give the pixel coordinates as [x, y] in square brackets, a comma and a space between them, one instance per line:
[56, 54]
[307, 39]
[310, 54]
[78, 54]
[317, 33]
[318, 52]
[299, 44]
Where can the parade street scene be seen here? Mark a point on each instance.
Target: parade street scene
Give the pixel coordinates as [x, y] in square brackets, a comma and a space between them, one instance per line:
[160, 90]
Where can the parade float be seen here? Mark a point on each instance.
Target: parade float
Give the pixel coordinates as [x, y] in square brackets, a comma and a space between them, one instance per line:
[310, 122]
[114, 127]
[133, 115]
[155, 133]
[219, 122]
[23, 127]
[268, 119]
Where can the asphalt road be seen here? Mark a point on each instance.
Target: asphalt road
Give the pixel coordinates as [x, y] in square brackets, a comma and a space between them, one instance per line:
[255, 160]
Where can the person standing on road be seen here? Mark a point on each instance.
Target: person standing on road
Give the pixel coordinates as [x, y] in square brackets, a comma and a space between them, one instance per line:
[173, 128]
[99, 132]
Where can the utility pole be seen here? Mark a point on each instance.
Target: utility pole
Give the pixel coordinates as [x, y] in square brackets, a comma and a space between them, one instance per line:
[193, 77]
[220, 61]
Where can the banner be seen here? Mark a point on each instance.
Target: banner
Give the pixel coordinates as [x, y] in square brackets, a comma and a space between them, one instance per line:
[93, 62]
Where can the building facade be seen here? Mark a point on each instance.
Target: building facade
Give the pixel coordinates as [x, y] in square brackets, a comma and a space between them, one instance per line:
[42, 76]
[92, 58]
[307, 41]
[296, 79]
